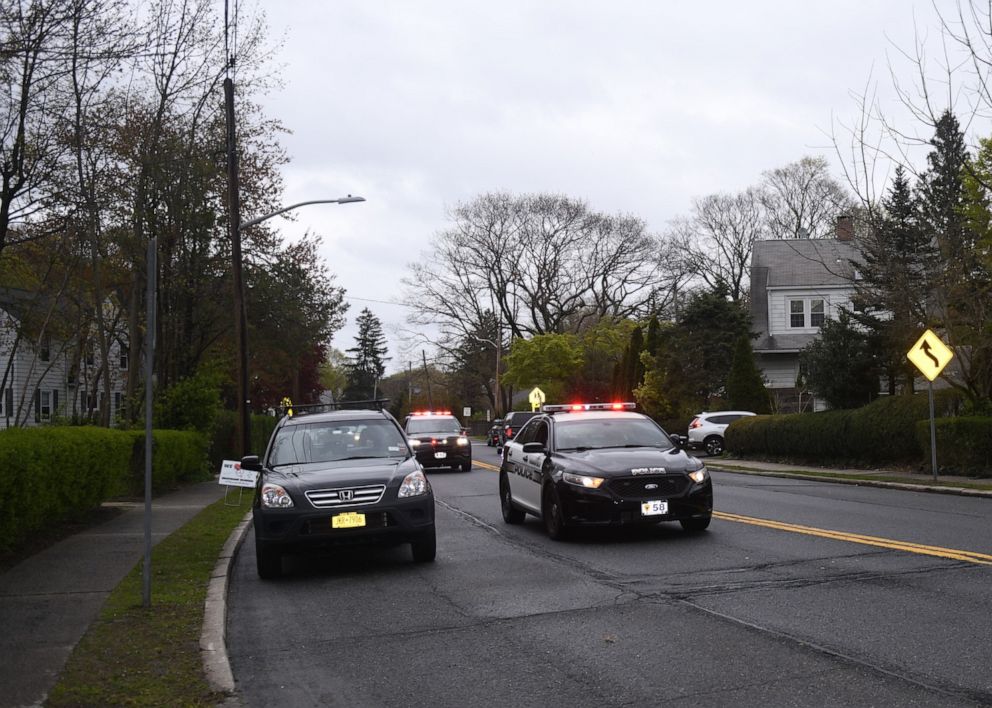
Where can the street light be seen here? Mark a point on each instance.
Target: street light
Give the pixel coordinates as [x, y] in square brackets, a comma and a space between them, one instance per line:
[241, 320]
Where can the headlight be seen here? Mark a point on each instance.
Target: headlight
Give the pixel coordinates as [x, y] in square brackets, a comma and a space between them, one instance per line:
[699, 475]
[581, 480]
[462, 441]
[414, 484]
[413, 443]
[275, 497]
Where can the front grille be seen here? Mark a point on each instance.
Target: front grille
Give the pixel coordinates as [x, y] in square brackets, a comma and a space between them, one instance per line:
[330, 498]
[634, 487]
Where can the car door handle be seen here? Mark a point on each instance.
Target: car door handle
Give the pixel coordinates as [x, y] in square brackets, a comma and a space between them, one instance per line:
[526, 459]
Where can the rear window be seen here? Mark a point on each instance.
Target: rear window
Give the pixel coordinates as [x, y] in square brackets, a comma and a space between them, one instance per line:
[433, 424]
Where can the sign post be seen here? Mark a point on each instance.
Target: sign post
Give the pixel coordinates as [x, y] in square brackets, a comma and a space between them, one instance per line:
[930, 355]
[536, 398]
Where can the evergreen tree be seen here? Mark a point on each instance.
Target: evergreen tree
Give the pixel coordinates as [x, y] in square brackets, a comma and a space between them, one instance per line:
[367, 359]
[898, 259]
[745, 387]
[841, 366]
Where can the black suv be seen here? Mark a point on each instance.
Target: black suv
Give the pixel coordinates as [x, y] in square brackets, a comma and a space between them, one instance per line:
[342, 477]
[439, 440]
[512, 422]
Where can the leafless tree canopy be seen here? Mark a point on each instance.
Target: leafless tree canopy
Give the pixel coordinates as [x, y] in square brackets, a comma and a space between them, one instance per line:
[802, 200]
[543, 263]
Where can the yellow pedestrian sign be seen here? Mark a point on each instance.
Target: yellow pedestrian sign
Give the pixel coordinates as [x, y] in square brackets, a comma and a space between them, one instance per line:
[930, 355]
[536, 398]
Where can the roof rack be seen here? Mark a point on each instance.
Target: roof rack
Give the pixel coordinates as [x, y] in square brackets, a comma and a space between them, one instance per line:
[376, 404]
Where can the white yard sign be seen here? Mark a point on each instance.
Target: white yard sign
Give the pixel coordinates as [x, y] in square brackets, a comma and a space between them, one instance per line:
[232, 475]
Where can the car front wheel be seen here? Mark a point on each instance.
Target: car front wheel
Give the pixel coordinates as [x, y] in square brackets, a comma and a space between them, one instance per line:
[425, 547]
[268, 561]
[552, 515]
[696, 525]
[713, 445]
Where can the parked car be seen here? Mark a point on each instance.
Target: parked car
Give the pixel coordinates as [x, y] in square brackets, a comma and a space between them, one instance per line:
[439, 440]
[492, 437]
[512, 422]
[341, 477]
[601, 464]
[706, 429]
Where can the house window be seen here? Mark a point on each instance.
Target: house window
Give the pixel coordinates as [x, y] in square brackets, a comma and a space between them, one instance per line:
[46, 405]
[118, 399]
[816, 313]
[45, 353]
[797, 313]
[90, 360]
[9, 401]
[124, 355]
[805, 314]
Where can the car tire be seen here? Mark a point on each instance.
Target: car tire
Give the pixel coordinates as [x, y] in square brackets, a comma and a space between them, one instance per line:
[713, 445]
[696, 525]
[467, 466]
[424, 549]
[268, 561]
[552, 515]
[511, 514]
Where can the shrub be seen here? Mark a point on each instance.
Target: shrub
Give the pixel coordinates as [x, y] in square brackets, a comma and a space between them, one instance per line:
[52, 474]
[883, 431]
[964, 445]
[224, 438]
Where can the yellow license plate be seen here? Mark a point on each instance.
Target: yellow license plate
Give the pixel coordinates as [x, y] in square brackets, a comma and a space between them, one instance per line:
[349, 520]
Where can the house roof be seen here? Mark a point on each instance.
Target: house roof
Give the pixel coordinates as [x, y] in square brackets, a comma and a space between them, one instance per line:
[795, 263]
[806, 262]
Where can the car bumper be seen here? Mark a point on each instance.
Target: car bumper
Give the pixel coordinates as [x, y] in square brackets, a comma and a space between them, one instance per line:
[401, 521]
[452, 458]
[603, 507]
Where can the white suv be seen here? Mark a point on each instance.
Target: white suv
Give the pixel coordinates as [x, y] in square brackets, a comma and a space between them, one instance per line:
[706, 429]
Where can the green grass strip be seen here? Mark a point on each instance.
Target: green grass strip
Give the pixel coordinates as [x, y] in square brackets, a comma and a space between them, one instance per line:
[133, 656]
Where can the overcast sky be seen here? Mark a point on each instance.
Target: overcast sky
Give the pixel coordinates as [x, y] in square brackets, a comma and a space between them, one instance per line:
[636, 107]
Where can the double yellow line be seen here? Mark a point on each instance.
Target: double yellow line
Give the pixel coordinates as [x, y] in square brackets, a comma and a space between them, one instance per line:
[950, 553]
[485, 466]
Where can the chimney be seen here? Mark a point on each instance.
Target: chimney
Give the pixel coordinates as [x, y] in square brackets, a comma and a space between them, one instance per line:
[844, 228]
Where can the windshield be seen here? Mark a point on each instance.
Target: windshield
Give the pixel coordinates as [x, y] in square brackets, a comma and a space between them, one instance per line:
[433, 424]
[618, 432]
[329, 441]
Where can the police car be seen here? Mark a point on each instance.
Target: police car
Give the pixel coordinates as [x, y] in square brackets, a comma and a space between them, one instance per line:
[601, 464]
[438, 440]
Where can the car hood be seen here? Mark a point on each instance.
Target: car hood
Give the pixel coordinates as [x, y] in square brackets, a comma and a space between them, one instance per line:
[624, 462]
[344, 473]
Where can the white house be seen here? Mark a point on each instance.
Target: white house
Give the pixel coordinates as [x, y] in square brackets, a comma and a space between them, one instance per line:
[44, 377]
[795, 285]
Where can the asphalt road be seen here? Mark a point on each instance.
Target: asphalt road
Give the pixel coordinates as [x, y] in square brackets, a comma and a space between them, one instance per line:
[800, 594]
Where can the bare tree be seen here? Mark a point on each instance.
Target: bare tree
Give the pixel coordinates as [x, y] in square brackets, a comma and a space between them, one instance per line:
[542, 263]
[718, 237]
[802, 200]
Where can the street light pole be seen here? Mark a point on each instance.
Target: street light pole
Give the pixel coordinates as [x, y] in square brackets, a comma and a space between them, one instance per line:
[244, 410]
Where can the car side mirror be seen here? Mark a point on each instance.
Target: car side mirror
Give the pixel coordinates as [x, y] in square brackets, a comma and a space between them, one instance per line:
[251, 463]
[532, 448]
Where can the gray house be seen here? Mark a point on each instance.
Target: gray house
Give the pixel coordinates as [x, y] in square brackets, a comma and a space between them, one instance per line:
[46, 376]
[795, 285]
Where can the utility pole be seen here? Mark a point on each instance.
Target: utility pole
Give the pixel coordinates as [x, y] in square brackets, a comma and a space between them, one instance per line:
[427, 373]
[240, 313]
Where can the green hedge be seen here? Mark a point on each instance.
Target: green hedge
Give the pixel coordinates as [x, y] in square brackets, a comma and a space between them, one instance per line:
[883, 431]
[52, 474]
[964, 445]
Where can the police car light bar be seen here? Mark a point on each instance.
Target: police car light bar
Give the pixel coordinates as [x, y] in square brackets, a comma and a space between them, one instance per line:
[578, 407]
[431, 413]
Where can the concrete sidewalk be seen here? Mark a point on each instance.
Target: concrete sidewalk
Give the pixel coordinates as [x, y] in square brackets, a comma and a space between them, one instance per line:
[892, 479]
[49, 600]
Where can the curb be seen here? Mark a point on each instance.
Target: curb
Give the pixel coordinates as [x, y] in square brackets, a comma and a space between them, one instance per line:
[958, 491]
[213, 646]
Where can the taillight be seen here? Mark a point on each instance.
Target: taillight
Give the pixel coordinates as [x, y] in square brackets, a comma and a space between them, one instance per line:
[509, 431]
[696, 423]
